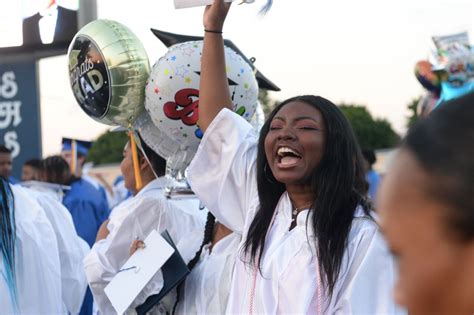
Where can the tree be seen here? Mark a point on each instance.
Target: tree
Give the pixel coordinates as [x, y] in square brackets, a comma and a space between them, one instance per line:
[268, 104]
[108, 148]
[371, 133]
[414, 110]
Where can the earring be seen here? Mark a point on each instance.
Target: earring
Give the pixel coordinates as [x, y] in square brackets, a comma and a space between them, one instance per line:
[270, 178]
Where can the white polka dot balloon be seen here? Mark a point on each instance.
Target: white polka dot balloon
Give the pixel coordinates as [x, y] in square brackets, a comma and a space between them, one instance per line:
[172, 92]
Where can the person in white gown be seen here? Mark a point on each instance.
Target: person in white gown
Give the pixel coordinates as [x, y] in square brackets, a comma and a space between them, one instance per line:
[72, 248]
[310, 243]
[135, 218]
[30, 270]
[211, 271]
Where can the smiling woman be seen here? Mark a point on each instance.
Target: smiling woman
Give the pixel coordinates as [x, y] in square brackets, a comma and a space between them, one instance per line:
[309, 243]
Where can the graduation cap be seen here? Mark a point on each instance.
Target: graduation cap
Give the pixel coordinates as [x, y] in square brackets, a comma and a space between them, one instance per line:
[170, 39]
[76, 147]
[81, 146]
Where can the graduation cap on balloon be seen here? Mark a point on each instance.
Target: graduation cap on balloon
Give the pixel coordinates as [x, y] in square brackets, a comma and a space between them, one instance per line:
[77, 147]
[170, 39]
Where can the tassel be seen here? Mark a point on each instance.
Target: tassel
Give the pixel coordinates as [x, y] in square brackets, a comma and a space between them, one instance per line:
[136, 166]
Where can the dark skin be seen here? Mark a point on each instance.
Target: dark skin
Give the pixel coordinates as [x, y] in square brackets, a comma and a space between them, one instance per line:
[220, 231]
[5, 164]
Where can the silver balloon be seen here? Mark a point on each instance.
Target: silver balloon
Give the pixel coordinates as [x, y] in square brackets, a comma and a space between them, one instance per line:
[108, 68]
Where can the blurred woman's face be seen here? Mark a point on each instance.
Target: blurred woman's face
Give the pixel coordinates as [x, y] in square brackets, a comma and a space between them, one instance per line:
[28, 172]
[436, 269]
[295, 143]
[126, 167]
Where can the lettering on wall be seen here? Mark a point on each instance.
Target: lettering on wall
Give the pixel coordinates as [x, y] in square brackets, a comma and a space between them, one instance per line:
[10, 111]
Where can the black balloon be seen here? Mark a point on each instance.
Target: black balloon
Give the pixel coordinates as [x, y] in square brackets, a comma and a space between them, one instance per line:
[89, 77]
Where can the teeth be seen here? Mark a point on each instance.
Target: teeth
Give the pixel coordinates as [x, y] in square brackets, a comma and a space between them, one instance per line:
[283, 150]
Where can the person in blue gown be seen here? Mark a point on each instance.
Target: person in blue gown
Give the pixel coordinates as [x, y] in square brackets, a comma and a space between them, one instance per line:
[372, 176]
[74, 149]
[86, 204]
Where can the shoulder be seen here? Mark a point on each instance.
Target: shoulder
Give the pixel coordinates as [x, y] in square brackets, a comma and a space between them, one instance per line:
[363, 226]
[29, 214]
[226, 128]
[85, 189]
[24, 200]
[138, 207]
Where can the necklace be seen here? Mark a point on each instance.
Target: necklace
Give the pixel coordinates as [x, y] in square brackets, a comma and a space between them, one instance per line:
[295, 211]
[294, 215]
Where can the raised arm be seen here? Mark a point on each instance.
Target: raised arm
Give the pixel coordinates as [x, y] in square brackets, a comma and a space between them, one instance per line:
[213, 90]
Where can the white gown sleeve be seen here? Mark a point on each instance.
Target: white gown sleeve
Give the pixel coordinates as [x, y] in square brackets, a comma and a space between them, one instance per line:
[72, 250]
[363, 291]
[222, 173]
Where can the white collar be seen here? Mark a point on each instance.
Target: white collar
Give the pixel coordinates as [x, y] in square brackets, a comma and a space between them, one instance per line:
[301, 219]
[156, 184]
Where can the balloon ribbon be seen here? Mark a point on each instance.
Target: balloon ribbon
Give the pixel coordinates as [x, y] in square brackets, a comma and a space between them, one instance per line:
[136, 166]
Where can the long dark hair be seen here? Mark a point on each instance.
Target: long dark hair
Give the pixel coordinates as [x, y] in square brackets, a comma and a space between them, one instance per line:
[54, 169]
[208, 234]
[338, 184]
[8, 237]
[443, 143]
[157, 162]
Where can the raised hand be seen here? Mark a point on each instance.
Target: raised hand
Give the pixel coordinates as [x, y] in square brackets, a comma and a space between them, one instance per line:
[215, 14]
[213, 87]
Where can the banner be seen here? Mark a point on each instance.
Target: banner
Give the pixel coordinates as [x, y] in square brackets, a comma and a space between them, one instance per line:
[20, 121]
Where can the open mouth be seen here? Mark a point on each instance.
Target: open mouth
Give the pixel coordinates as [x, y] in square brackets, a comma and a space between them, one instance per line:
[287, 156]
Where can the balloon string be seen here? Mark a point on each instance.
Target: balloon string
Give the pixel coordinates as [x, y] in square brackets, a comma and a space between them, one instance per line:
[74, 157]
[136, 166]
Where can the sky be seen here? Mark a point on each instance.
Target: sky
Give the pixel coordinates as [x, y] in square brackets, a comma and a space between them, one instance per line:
[360, 51]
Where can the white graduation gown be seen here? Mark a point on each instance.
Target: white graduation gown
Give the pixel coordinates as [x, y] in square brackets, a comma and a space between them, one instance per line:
[138, 216]
[72, 250]
[207, 287]
[38, 270]
[289, 263]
